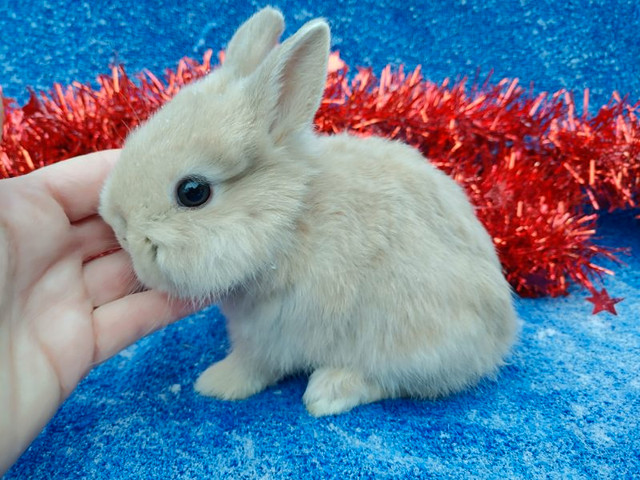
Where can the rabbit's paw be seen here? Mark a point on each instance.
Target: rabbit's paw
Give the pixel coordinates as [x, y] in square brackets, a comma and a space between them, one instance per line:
[331, 391]
[229, 379]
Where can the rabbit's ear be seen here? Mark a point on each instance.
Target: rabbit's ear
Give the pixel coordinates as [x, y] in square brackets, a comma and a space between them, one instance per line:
[290, 82]
[253, 41]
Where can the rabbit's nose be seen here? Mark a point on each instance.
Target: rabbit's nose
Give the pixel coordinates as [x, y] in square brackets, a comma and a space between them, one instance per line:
[122, 239]
[119, 225]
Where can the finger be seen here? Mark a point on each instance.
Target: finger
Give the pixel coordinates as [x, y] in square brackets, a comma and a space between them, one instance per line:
[124, 321]
[93, 237]
[109, 278]
[76, 183]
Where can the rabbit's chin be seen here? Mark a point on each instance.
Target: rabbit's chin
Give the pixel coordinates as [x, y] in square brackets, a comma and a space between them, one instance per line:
[197, 293]
[153, 278]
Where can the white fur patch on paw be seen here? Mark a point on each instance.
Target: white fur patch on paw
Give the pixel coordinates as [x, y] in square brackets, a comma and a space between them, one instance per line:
[333, 391]
[227, 380]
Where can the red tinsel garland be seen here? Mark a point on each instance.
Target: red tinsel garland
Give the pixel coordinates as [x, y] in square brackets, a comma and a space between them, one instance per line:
[537, 172]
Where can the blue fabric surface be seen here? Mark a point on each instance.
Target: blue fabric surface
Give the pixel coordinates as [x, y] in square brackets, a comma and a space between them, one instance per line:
[568, 404]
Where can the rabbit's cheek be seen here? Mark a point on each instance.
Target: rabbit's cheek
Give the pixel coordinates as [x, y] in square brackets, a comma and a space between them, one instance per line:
[167, 272]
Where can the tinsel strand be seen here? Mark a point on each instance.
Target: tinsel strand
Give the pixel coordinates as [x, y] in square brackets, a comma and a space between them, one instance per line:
[538, 173]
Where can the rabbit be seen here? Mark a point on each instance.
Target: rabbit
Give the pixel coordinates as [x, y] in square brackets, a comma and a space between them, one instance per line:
[353, 260]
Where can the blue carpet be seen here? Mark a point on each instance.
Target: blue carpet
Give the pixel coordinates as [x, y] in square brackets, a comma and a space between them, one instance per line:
[568, 404]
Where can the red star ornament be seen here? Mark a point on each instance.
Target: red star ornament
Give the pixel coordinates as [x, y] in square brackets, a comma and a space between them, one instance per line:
[601, 301]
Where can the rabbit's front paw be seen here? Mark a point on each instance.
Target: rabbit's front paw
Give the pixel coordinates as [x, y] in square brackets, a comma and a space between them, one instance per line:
[228, 379]
[331, 391]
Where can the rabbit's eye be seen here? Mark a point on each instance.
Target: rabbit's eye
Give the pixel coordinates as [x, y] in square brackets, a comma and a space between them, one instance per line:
[193, 192]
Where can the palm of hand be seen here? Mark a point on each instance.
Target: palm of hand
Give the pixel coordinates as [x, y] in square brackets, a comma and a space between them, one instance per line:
[61, 310]
[51, 325]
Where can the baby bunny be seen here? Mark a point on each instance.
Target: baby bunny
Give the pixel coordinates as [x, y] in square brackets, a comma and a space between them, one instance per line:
[352, 259]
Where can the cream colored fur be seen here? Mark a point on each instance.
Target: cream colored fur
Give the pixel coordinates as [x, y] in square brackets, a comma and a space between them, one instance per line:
[352, 259]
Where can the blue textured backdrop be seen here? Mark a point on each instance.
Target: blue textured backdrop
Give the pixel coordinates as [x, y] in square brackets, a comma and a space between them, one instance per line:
[567, 405]
[569, 44]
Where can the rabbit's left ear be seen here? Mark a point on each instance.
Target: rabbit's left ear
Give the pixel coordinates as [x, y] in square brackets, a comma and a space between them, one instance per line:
[253, 41]
[288, 85]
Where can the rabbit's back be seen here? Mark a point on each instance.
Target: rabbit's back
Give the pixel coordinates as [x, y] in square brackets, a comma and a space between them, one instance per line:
[379, 206]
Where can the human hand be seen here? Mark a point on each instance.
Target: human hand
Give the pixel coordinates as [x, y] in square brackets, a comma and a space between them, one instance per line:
[62, 310]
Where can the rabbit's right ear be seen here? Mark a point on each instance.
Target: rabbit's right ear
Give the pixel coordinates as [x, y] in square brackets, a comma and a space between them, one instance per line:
[287, 87]
[253, 41]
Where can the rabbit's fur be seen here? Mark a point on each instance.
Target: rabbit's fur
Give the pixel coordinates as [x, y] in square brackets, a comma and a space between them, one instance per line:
[352, 259]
